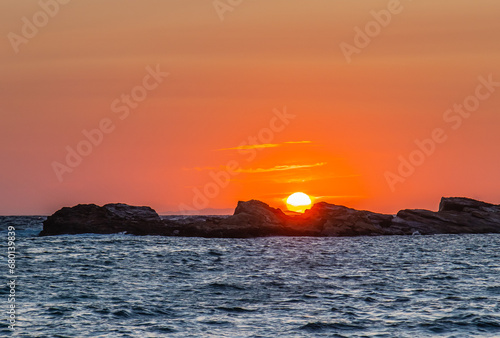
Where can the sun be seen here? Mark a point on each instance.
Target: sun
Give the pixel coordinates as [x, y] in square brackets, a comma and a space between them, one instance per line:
[298, 202]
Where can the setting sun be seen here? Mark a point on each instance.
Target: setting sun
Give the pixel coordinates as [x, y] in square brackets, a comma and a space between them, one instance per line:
[298, 202]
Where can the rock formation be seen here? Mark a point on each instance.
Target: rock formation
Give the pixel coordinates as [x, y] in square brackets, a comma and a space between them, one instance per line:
[456, 215]
[108, 219]
[256, 219]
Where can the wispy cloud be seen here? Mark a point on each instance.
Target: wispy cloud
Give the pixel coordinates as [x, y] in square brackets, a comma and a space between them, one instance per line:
[312, 178]
[326, 197]
[281, 168]
[297, 142]
[264, 145]
[252, 146]
[261, 170]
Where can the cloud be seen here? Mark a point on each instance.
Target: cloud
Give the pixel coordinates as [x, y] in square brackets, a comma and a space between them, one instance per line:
[281, 168]
[327, 198]
[297, 142]
[264, 145]
[252, 146]
[261, 170]
[313, 178]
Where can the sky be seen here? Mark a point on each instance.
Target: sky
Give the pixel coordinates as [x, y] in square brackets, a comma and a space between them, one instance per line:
[195, 105]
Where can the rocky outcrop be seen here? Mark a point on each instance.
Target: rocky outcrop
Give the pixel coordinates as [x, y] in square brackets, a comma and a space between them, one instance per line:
[335, 220]
[108, 219]
[256, 219]
[463, 204]
[250, 219]
[456, 215]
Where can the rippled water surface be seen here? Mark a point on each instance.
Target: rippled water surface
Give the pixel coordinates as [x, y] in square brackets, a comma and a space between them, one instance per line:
[120, 285]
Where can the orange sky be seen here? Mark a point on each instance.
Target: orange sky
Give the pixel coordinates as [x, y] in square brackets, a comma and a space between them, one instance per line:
[354, 118]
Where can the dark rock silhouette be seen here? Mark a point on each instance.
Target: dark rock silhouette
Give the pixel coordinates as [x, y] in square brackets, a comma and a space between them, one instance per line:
[334, 220]
[256, 219]
[108, 219]
[456, 215]
[250, 219]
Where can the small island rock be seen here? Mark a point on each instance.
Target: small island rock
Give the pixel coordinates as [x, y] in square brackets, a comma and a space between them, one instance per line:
[108, 219]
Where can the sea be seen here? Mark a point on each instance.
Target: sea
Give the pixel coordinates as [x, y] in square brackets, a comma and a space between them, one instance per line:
[149, 286]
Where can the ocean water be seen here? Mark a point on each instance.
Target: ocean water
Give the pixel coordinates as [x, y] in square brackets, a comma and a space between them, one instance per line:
[130, 286]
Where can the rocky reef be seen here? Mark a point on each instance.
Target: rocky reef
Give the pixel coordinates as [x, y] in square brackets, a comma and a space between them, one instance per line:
[108, 219]
[256, 219]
